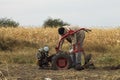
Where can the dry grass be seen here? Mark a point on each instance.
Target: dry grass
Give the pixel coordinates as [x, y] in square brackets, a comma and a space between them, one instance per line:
[30, 72]
[19, 45]
[21, 42]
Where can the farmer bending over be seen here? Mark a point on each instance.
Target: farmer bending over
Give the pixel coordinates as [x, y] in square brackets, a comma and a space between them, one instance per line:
[76, 41]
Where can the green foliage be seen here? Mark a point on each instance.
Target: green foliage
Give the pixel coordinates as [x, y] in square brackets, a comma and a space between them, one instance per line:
[8, 44]
[54, 23]
[108, 60]
[4, 22]
[22, 59]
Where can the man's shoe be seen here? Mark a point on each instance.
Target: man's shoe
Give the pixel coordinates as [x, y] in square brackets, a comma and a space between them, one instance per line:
[78, 67]
[88, 58]
[89, 65]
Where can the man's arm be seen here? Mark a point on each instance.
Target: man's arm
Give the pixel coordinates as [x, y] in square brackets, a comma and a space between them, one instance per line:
[74, 41]
[62, 41]
[88, 30]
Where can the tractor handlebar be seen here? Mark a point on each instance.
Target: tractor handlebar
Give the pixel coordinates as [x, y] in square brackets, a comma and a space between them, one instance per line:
[70, 32]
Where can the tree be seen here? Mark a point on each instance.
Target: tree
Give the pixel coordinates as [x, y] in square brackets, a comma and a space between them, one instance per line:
[5, 22]
[54, 23]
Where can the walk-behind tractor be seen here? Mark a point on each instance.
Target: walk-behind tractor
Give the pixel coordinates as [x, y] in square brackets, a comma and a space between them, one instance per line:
[62, 60]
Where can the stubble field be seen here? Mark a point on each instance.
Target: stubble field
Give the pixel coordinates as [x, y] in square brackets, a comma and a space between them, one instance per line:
[18, 47]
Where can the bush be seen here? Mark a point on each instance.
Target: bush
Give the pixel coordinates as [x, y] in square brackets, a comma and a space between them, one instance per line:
[54, 23]
[4, 22]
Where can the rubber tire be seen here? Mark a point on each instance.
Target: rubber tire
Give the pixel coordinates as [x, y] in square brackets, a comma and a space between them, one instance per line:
[61, 55]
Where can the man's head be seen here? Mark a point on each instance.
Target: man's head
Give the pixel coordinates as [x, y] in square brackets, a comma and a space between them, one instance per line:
[61, 31]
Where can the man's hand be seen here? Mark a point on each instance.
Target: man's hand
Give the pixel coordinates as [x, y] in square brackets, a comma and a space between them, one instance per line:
[88, 30]
[57, 49]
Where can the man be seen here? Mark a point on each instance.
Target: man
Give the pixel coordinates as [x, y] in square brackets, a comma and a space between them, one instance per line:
[76, 41]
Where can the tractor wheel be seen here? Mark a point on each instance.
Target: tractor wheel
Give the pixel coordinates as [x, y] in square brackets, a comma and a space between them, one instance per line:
[61, 61]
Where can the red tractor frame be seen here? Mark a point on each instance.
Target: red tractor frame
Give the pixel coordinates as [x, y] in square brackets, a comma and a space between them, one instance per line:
[62, 60]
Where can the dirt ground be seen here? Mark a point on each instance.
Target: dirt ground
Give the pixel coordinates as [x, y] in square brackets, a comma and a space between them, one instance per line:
[31, 72]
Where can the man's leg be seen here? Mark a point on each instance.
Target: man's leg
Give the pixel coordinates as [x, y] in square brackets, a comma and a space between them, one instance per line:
[73, 57]
[80, 46]
[78, 58]
[78, 61]
[80, 50]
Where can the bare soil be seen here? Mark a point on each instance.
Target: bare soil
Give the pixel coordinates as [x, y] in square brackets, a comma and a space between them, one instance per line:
[31, 72]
